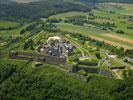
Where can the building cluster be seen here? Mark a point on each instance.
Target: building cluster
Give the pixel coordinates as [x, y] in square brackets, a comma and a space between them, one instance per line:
[56, 46]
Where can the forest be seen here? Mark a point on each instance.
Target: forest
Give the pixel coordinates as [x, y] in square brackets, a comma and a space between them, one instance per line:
[36, 10]
[41, 9]
[22, 85]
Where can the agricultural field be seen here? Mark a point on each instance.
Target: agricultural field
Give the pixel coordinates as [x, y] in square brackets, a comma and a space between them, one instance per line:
[124, 9]
[63, 16]
[101, 35]
[8, 25]
[102, 25]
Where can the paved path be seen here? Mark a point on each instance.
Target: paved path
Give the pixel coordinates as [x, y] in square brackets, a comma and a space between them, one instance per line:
[117, 74]
[75, 44]
[123, 63]
[79, 46]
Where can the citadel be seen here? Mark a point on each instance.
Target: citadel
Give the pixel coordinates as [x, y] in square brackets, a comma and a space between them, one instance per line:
[56, 46]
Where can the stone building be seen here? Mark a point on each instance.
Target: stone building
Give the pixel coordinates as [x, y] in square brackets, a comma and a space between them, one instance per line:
[56, 46]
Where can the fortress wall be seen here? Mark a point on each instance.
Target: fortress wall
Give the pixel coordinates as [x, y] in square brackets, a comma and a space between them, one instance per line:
[89, 63]
[36, 57]
[54, 60]
[90, 70]
[119, 67]
[105, 73]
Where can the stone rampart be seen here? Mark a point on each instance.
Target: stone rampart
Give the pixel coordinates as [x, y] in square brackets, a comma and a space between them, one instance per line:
[36, 57]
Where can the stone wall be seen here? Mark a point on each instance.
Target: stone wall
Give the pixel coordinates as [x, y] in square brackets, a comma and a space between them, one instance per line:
[90, 70]
[76, 68]
[88, 63]
[118, 67]
[54, 60]
[36, 57]
[105, 73]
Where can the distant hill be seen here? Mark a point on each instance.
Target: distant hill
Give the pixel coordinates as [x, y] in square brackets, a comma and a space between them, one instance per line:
[25, 1]
[35, 9]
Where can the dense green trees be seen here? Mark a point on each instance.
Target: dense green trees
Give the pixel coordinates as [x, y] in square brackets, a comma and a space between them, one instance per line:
[27, 85]
[29, 44]
[6, 71]
[45, 8]
[77, 20]
[128, 73]
[123, 91]
[120, 32]
[37, 10]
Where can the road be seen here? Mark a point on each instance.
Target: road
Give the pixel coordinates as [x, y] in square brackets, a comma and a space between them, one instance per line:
[78, 46]
[125, 64]
[117, 74]
[75, 44]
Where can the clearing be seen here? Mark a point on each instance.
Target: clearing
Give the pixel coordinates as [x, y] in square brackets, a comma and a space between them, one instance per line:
[119, 38]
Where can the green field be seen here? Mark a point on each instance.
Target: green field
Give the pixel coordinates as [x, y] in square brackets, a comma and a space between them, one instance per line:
[25, 1]
[120, 8]
[8, 24]
[121, 22]
[90, 31]
[67, 14]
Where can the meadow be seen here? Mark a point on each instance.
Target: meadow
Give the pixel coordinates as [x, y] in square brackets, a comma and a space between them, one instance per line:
[67, 14]
[120, 8]
[100, 27]
[8, 24]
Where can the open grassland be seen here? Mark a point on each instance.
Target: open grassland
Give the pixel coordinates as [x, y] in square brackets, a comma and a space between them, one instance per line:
[120, 8]
[79, 29]
[67, 14]
[121, 21]
[118, 37]
[8, 24]
[112, 43]
[25, 1]
[98, 35]
[102, 17]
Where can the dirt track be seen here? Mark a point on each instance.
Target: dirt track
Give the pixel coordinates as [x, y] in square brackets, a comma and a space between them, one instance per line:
[111, 43]
[118, 38]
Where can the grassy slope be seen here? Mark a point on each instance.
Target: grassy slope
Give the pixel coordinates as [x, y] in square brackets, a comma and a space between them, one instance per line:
[8, 24]
[89, 31]
[121, 24]
[125, 9]
[25, 1]
[51, 73]
[68, 14]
